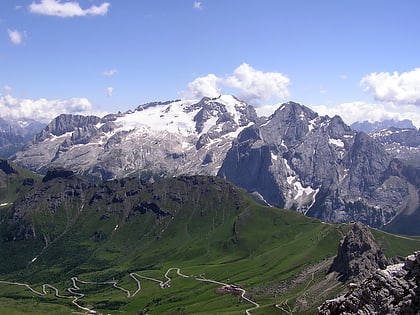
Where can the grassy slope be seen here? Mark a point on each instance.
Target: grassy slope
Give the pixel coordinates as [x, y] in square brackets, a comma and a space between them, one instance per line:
[214, 229]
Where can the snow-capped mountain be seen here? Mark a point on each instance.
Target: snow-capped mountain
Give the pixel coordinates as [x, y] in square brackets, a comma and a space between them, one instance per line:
[14, 133]
[170, 138]
[294, 159]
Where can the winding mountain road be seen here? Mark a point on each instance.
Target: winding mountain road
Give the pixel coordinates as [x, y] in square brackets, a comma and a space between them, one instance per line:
[76, 296]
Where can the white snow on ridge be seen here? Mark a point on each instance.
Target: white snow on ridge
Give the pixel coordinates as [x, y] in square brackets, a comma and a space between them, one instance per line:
[174, 117]
[336, 142]
[170, 117]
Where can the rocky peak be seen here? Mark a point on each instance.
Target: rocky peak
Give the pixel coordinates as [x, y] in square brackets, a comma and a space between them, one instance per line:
[291, 112]
[223, 109]
[358, 254]
[65, 123]
[7, 168]
[395, 290]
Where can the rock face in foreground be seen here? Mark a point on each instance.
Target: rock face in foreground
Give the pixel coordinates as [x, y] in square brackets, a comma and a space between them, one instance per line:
[395, 290]
[358, 255]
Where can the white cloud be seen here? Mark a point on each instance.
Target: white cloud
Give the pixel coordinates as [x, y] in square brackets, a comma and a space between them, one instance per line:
[203, 86]
[15, 36]
[109, 73]
[361, 111]
[198, 5]
[66, 9]
[255, 85]
[401, 88]
[109, 91]
[42, 109]
[249, 85]
[7, 88]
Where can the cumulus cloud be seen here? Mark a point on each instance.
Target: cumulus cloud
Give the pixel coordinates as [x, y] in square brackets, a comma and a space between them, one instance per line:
[361, 111]
[249, 84]
[110, 73]
[109, 91]
[15, 36]
[198, 5]
[401, 88]
[66, 9]
[42, 109]
[203, 86]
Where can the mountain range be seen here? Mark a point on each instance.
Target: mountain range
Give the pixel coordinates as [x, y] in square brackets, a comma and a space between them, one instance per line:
[175, 245]
[295, 158]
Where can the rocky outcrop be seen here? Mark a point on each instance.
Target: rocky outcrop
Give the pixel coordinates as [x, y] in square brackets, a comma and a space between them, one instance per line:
[7, 168]
[65, 123]
[318, 166]
[395, 290]
[57, 172]
[358, 255]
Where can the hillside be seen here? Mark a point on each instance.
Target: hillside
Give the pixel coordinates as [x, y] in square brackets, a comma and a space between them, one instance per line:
[129, 229]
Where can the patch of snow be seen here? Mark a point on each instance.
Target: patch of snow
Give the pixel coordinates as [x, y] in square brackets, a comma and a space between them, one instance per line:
[33, 259]
[274, 156]
[288, 168]
[170, 117]
[290, 179]
[4, 204]
[311, 124]
[116, 227]
[336, 142]
[65, 135]
[22, 123]
[266, 123]
[302, 191]
[283, 145]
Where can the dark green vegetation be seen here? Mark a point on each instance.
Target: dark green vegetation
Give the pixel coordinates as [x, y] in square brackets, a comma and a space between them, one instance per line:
[203, 225]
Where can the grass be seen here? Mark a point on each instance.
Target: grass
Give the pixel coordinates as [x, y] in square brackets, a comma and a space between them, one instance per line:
[205, 227]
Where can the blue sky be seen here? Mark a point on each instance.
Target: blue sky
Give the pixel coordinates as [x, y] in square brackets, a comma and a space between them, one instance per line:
[359, 59]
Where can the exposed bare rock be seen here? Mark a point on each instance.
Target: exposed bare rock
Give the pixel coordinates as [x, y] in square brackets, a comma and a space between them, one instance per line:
[395, 290]
[358, 255]
[57, 172]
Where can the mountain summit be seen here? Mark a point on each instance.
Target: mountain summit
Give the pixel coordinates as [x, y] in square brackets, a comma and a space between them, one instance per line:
[295, 159]
[172, 138]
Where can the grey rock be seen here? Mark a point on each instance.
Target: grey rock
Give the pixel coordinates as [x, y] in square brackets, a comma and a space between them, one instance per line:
[358, 255]
[402, 143]
[320, 167]
[394, 290]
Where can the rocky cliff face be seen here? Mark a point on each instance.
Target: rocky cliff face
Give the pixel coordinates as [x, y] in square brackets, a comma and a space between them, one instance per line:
[318, 166]
[394, 290]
